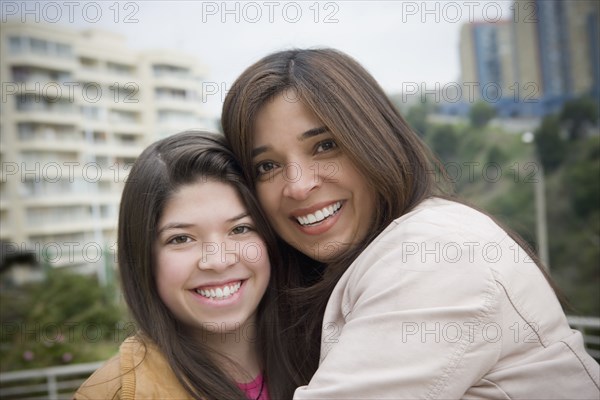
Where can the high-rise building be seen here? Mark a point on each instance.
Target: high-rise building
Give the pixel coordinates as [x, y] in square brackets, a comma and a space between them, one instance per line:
[77, 108]
[546, 55]
[486, 58]
[557, 50]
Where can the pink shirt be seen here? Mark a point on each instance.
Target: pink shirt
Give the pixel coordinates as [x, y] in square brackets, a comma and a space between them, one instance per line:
[255, 390]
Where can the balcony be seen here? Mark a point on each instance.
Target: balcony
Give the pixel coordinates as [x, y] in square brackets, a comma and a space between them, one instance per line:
[39, 109]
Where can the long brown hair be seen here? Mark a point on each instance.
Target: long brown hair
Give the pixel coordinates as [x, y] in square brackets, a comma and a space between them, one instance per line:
[159, 171]
[401, 169]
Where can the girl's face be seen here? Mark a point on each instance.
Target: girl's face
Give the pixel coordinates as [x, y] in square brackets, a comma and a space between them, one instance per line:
[212, 266]
[313, 194]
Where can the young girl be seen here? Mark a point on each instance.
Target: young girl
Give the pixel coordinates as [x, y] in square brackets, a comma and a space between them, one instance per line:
[196, 274]
[422, 297]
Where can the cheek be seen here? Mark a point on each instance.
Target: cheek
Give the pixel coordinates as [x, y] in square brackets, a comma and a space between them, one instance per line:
[366, 197]
[168, 277]
[256, 257]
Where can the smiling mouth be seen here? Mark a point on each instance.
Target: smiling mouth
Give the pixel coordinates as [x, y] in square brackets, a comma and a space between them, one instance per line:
[220, 292]
[320, 215]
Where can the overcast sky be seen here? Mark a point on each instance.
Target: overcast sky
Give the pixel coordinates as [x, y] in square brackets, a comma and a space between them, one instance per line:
[397, 41]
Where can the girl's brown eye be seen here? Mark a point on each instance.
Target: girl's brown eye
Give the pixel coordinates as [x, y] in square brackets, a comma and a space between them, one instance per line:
[179, 239]
[240, 229]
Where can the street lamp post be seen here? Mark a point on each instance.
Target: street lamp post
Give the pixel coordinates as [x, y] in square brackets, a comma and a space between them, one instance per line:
[540, 206]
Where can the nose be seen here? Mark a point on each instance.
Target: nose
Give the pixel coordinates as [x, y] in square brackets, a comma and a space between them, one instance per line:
[300, 180]
[218, 256]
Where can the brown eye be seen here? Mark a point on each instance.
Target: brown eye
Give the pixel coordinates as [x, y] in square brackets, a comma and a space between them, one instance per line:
[180, 239]
[238, 230]
[326, 145]
[264, 168]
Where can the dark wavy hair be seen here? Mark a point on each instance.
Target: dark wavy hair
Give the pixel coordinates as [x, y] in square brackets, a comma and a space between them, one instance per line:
[159, 171]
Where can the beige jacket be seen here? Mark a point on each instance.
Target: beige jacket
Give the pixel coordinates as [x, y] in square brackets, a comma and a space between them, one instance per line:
[445, 305]
[137, 372]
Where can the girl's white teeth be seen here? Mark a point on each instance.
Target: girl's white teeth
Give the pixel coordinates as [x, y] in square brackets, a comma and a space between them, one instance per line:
[220, 293]
[319, 215]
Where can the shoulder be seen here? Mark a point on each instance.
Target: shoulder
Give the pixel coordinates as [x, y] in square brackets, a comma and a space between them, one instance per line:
[437, 217]
[104, 383]
[111, 379]
[440, 250]
[435, 233]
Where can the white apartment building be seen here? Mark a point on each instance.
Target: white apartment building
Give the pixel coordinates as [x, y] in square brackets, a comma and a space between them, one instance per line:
[77, 109]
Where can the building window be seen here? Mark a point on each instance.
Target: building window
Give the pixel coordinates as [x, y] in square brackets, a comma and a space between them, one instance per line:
[169, 70]
[122, 117]
[26, 131]
[119, 69]
[15, 44]
[63, 50]
[20, 74]
[90, 112]
[39, 46]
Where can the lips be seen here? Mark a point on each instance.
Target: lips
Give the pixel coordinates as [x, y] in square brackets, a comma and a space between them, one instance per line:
[318, 216]
[219, 292]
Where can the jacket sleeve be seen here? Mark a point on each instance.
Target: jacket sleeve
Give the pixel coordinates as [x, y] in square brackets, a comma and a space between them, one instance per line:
[416, 320]
[104, 383]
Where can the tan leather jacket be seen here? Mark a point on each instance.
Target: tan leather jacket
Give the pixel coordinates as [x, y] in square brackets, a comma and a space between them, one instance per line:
[139, 371]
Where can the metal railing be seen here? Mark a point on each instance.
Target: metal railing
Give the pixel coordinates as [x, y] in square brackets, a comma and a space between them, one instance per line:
[590, 329]
[51, 383]
[56, 383]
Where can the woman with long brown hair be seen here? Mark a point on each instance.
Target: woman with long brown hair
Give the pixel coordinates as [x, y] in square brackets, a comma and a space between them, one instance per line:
[195, 257]
[421, 296]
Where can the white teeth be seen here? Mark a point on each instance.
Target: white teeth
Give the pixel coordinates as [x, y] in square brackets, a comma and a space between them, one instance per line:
[220, 293]
[319, 215]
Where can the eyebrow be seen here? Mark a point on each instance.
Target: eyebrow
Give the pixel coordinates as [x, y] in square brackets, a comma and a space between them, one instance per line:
[238, 217]
[303, 136]
[173, 225]
[180, 225]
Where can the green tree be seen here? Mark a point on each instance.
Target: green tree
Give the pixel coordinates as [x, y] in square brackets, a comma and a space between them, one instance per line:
[444, 141]
[67, 318]
[576, 113]
[549, 145]
[481, 113]
[417, 118]
[496, 155]
[581, 179]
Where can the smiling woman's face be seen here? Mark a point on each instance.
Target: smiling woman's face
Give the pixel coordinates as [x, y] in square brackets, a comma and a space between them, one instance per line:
[312, 193]
[212, 266]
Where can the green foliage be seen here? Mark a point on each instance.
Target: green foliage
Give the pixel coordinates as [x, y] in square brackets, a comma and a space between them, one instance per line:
[481, 113]
[417, 118]
[444, 141]
[497, 156]
[68, 318]
[577, 113]
[550, 146]
[581, 177]
[574, 220]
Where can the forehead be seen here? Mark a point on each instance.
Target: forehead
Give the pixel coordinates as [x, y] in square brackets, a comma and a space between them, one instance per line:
[284, 113]
[203, 197]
